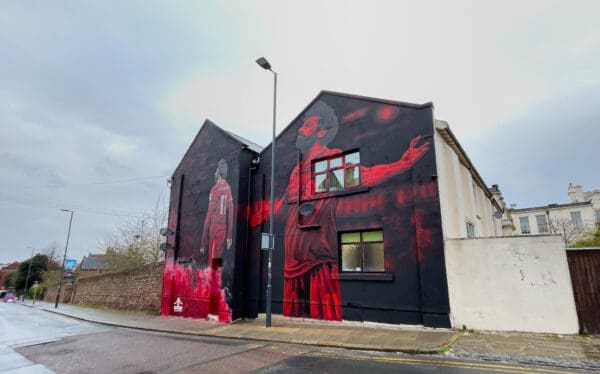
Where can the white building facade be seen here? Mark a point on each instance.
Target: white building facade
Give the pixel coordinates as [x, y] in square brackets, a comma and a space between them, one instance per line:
[572, 220]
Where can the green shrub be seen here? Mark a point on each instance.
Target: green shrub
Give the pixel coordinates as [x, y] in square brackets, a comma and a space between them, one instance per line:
[38, 291]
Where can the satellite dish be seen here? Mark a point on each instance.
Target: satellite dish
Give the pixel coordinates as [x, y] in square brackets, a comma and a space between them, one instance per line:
[164, 247]
[306, 209]
[498, 214]
[165, 231]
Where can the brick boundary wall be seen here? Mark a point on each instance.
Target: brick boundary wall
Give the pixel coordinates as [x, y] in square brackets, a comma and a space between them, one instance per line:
[137, 289]
[66, 292]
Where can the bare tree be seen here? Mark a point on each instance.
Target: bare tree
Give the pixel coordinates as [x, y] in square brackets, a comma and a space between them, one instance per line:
[53, 253]
[136, 242]
[568, 231]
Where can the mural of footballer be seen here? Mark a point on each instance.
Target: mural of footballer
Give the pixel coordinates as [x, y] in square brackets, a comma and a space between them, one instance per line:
[218, 224]
[311, 288]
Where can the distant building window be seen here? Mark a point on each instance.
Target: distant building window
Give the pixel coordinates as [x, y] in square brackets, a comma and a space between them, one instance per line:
[470, 230]
[542, 223]
[598, 216]
[576, 220]
[524, 221]
[337, 173]
[362, 251]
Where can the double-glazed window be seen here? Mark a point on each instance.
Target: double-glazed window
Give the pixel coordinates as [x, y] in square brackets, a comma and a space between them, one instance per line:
[336, 173]
[542, 223]
[362, 251]
[576, 220]
[524, 221]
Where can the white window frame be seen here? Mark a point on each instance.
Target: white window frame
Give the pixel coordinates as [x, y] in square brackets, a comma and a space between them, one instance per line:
[524, 223]
[576, 220]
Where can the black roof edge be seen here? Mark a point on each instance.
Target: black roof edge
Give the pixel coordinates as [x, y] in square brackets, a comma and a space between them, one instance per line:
[350, 96]
[229, 134]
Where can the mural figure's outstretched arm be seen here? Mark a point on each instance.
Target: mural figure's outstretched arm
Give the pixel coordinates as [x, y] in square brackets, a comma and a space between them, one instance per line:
[376, 174]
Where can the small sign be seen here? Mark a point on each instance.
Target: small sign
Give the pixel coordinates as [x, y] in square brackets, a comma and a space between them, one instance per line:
[178, 306]
[266, 241]
[35, 284]
[70, 264]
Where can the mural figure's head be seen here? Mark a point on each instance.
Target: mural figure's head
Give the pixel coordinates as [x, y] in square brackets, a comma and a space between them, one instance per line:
[221, 172]
[319, 124]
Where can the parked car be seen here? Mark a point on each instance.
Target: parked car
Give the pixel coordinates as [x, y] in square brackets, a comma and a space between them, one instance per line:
[9, 298]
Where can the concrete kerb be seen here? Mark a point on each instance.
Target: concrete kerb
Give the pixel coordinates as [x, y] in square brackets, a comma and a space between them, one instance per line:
[219, 331]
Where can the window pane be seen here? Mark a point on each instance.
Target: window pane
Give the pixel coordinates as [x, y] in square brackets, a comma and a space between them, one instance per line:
[576, 219]
[320, 166]
[524, 221]
[373, 257]
[336, 180]
[352, 177]
[542, 223]
[598, 216]
[335, 163]
[372, 236]
[470, 230]
[353, 158]
[351, 257]
[320, 183]
[351, 237]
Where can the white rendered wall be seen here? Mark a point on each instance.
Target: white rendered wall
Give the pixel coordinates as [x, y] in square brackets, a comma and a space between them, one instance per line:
[461, 199]
[518, 283]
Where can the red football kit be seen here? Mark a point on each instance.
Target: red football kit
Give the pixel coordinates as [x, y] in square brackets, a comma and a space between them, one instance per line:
[218, 224]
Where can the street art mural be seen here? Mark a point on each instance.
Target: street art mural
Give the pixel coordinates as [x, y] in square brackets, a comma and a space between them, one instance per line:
[357, 219]
[336, 210]
[199, 267]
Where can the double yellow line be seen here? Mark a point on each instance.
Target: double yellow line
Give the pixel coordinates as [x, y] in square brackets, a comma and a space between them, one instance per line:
[457, 364]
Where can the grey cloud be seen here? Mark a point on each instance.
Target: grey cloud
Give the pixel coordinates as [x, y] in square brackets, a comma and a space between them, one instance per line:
[536, 154]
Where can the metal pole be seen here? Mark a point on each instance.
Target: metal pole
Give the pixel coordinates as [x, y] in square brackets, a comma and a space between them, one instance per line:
[272, 212]
[28, 271]
[62, 269]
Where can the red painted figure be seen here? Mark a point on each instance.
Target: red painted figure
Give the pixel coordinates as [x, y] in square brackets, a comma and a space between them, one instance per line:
[218, 223]
[217, 232]
[311, 288]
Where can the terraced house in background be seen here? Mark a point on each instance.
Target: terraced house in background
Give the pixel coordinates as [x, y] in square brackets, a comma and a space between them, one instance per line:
[571, 220]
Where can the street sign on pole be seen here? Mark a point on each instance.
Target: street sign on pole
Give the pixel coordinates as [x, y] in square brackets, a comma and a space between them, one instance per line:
[70, 264]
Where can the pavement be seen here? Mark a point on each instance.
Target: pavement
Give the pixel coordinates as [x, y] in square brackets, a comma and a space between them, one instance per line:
[571, 351]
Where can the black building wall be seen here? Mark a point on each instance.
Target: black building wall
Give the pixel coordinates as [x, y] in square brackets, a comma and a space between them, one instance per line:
[204, 283]
[399, 198]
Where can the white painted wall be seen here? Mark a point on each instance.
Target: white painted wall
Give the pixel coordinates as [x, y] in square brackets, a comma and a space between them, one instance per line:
[461, 199]
[518, 283]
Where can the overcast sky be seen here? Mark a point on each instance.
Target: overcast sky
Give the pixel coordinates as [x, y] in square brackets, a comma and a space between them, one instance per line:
[99, 100]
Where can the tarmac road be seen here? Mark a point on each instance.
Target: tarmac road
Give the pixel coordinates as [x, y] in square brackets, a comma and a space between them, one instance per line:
[46, 342]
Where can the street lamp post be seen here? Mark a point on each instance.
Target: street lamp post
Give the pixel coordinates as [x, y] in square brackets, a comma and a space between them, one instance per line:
[62, 269]
[265, 65]
[28, 271]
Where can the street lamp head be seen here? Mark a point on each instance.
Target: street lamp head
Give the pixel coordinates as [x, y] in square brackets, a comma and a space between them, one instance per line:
[66, 210]
[264, 63]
